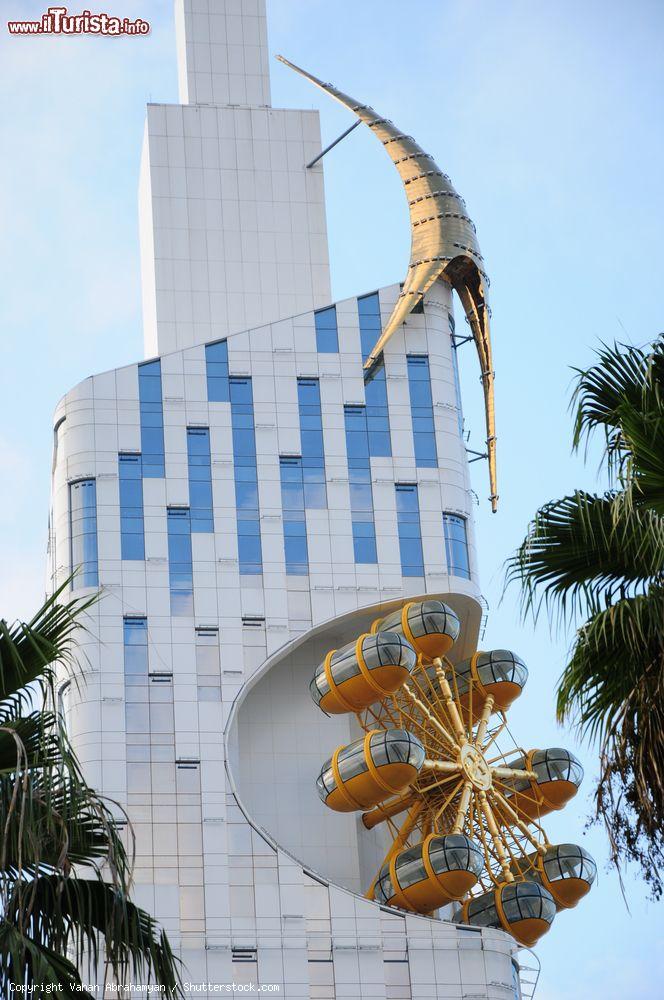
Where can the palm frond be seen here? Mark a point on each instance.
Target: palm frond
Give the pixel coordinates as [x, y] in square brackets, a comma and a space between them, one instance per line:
[92, 918]
[59, 823]
[602, 558]
[29, 650]
[24, 961]
[613, 653]
[583, 551]
[643, 434]
[29, 742]
[618, 377]
[53, 826]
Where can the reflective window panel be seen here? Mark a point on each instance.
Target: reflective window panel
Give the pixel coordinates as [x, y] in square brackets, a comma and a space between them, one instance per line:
[135, 630]
[456, 545]
[180, 569]
[208, 667]
[200, 479]
[295, 524]
[359, 478]
[83, 532]
[327, 337]
[410, 532]
[152, 419]
[250, 555]
[132, 534]
[216, 367]
[311, 443]
[421, 406]
[375, 387]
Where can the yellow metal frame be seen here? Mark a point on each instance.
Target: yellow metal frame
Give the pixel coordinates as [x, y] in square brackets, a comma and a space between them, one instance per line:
[465, 784]
[456, 740]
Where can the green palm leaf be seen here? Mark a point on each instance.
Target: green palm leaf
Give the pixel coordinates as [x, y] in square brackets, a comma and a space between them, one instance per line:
[601, 558]
[29, 650]
[82, 914]
[585, 549]
[53, 826]
[601, 390]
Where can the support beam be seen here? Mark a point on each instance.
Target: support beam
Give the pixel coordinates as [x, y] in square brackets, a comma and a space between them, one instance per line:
[333, 144]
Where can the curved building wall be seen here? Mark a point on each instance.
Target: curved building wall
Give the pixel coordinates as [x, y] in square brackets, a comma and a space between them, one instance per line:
[277, 740]
[250, 881]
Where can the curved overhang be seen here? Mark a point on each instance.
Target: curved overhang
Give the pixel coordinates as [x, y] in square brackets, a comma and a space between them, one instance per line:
[288, 671]
[443, 245]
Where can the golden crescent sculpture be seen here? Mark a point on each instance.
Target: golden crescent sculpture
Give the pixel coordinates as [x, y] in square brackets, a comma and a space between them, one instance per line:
[443, 245]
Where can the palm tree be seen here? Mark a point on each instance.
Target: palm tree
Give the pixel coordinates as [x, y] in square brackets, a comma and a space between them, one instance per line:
[599, 559]
[65, 875]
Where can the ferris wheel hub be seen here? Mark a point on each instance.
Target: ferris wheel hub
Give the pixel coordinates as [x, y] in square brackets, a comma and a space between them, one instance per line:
[475, 767]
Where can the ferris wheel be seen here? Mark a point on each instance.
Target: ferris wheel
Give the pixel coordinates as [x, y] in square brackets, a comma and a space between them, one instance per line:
[437, 765]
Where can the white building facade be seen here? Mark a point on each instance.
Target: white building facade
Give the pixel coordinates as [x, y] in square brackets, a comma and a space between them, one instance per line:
[245, 502]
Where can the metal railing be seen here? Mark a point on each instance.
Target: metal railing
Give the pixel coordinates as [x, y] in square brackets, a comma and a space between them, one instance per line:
[529, 974]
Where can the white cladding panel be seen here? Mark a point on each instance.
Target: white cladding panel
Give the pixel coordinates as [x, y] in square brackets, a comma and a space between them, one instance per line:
[222, 52]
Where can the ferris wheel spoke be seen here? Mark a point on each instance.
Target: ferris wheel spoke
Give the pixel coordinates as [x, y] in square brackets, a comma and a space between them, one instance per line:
[493, 736]
[433, 785]
[436, 723]
[427, 687]
[439, 706]
[505, 773]
[521, 862]
[399, 841]
[450, 704]
[449, 798]
[504, 805]
[487, 709]
[468, 711]
[513, 799]
[386, 810]
[494, 833]
[484, 839]
[462, 809]
[424, 732]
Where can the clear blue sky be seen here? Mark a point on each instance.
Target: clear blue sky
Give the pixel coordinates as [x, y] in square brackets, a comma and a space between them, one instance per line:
[548, 117]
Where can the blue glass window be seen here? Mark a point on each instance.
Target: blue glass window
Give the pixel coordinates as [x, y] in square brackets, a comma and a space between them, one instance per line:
[327, 337]
[359, 478]
[375, 389]
[83, 532]
[250, 554]
[295, 523]
[410, 532]
[421, 406]
[456, 545]
[152, 419]
[135, 649]
[132, 534]
[200, 479]
[180, 568]
[311, 443]
[216, 365]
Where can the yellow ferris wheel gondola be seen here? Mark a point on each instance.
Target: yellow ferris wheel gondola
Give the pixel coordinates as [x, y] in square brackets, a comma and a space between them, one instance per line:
[362, 672]
[432, 874]
[463, 811]
[363, 773]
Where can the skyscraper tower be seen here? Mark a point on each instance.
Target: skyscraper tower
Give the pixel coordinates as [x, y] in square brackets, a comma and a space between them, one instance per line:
[258, 491]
